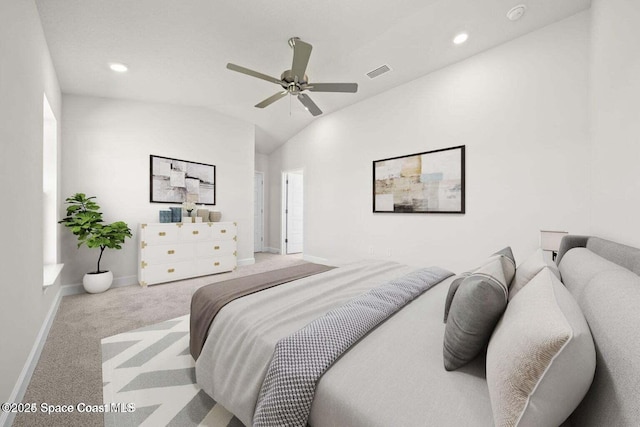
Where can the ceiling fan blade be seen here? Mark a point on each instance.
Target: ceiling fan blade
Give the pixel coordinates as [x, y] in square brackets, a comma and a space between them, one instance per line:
[270, 100]
[309, 105]
[243, 70]
[301, 53]
[332, 87]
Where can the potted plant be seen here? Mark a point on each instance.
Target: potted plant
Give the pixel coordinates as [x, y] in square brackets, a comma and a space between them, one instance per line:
[85, 221]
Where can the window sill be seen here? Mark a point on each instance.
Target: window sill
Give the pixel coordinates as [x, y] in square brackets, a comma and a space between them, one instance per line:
[50, 274]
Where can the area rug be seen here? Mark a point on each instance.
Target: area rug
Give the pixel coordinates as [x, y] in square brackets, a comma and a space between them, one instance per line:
[148, 379]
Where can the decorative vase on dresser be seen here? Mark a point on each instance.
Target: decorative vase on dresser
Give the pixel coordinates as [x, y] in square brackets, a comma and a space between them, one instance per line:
[176, 251]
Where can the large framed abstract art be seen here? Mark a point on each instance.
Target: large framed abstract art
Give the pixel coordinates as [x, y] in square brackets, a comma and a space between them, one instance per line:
[177, 181]
[429, 182]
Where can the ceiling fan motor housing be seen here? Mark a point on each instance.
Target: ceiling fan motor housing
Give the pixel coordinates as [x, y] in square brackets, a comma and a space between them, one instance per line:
[289, 78]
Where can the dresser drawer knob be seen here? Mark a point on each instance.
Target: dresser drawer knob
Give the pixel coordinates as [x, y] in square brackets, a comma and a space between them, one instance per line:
[216, 248]
[162, 233]
[171, 252]
[223, 231]
[195, 231]
[171, 270]
[216, 263]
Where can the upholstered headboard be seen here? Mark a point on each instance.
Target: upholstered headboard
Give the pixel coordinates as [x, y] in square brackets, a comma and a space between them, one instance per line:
[604, 277]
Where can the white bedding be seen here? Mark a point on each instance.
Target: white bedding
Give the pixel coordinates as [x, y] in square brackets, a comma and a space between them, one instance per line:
[393, 376]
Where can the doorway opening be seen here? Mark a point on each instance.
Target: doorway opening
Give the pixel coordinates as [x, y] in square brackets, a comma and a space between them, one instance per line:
[258, 212]
[292, 212]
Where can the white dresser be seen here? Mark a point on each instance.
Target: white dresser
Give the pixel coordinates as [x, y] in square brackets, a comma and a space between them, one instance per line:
[175, 251]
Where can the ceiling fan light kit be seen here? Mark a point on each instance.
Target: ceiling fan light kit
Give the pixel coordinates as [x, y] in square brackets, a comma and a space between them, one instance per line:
[295, 81]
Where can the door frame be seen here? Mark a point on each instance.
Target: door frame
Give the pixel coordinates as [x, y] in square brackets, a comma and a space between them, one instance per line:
[256, 173]
[283, 208]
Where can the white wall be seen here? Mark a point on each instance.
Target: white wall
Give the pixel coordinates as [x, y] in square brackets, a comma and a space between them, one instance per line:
[261, 162]
[107, 144]
[26, 73]
[520, 109]
[615, 118]
[262, 165]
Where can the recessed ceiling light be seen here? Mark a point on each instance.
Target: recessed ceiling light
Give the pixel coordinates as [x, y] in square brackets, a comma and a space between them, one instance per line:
[460, 38]
[117, 67]
[516, 12]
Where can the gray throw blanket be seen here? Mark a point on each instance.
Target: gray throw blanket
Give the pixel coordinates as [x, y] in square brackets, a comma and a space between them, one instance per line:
[300, 359]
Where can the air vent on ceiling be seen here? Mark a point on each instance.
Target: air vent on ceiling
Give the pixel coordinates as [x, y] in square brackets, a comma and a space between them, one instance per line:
[378, 71]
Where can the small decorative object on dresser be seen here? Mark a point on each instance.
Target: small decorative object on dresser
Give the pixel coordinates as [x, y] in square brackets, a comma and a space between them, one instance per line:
[203, 213]
[168, 252]
[215, 216]
[189, 207]
[176, 214]
[165, 216]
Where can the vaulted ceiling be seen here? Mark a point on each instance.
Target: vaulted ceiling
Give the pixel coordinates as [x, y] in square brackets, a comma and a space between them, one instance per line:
[177, 51]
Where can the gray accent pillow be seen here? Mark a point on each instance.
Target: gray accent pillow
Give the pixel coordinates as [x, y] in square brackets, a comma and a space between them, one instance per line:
[541, 358]
[453, 288]
[479, 301]
[511, 265]
[508, 262]
[508, 265]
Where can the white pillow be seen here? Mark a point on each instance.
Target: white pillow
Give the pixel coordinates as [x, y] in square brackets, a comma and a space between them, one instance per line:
[528, 270]
[541, 358]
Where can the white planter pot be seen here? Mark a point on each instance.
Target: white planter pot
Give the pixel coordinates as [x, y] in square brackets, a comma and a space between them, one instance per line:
[96, 283]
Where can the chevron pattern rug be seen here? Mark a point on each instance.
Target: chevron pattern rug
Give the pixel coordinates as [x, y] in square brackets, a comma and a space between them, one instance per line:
[151, 368]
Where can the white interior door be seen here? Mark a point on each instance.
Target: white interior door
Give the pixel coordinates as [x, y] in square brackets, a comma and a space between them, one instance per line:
[294, 212]
[258, 212]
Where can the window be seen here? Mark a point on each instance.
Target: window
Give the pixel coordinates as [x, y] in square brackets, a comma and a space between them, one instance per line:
[50, 194]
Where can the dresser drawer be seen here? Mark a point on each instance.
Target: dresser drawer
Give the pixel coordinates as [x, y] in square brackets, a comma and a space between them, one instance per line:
[223, 230]
[168, 272]
[161, 254]
[216, 248]
[215, 265]
[159, 234]
[195, 232]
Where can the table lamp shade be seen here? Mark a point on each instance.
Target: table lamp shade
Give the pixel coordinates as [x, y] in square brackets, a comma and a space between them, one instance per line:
[550, 240]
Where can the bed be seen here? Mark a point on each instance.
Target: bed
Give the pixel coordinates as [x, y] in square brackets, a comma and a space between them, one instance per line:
[394, 375]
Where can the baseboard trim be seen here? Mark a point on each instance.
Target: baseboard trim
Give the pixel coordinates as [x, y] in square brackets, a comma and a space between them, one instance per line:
[246, 261]
[317, 259]
[74, 289]
[20, 388]
[272, 250]
[118, 282]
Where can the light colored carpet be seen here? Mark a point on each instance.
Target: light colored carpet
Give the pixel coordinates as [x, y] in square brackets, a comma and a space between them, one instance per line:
[152, 368]
[69, 370]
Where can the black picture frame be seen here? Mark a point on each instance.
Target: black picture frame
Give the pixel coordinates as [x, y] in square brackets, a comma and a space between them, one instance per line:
[428, 182]
[177, 181]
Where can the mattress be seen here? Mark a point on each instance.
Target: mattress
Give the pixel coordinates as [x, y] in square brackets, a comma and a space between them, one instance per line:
[393, 376]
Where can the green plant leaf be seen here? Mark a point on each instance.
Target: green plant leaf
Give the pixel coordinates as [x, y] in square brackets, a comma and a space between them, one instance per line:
[84, 220]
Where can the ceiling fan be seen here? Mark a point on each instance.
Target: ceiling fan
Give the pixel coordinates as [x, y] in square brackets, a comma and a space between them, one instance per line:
[295, 81]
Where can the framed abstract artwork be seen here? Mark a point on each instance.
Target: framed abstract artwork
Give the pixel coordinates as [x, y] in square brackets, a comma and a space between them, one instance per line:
[429, 182]
[177, 181]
